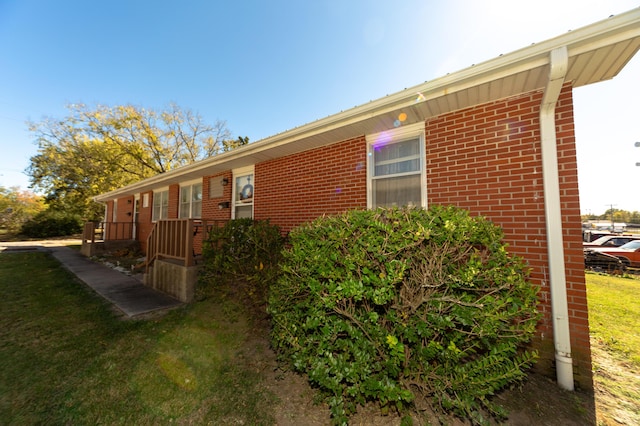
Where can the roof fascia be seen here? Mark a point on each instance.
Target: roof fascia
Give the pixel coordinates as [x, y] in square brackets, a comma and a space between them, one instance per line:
[614, 29]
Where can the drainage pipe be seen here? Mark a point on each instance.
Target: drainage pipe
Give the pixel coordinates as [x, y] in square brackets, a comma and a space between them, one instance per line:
[553, 214]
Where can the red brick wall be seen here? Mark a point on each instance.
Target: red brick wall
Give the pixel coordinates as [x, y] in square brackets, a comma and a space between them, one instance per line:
[124, 211]
[210, 208]
[109, 213]
[488, 160]
[174, 201]
[306, 185]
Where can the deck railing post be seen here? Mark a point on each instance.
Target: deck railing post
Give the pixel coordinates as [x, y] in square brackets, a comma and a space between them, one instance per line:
[188, 248]
[175, 238]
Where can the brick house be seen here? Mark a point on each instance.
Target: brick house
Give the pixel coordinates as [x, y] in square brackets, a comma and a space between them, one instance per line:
[496, 138]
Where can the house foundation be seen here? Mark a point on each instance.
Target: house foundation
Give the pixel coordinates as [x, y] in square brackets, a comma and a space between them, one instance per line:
[172, 278]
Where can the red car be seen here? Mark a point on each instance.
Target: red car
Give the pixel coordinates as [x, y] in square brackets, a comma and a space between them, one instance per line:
[629, 253]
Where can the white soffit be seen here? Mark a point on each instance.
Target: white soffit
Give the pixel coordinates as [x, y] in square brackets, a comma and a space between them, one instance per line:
[597, 52]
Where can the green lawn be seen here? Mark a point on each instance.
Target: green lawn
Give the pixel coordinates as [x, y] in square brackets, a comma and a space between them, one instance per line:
[67, 358]
[614, 315]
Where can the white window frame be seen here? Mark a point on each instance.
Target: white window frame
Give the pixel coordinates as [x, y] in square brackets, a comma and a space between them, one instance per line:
[157, 195]
[393, 136]
[239, 173]
[190, 214]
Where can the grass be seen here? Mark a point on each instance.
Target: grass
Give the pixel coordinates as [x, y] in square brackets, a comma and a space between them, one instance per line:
[67, 358]
[614, 315]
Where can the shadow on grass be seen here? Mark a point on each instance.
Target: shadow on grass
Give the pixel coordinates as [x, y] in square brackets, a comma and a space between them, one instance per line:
[66, 358]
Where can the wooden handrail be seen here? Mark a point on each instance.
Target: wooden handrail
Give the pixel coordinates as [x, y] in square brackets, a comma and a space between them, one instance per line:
[173, 239]
[152, 249]
[107, 231]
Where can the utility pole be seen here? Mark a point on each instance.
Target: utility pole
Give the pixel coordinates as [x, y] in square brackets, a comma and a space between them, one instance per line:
[637, 145]
[613, 225]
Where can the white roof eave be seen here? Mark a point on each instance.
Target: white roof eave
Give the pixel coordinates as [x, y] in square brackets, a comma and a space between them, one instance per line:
[597, 52]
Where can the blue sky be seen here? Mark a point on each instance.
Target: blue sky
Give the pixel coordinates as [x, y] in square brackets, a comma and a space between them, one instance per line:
[266, 67]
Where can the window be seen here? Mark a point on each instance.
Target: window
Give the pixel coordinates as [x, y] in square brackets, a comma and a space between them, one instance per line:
[160, 205]
[115, 211]
[396, 168]
[243, 193]
[191, 201]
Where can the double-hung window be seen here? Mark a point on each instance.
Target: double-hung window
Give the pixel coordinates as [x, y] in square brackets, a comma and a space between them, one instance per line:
[396, 168]
[191, 200]
[160, 205]
[243, 193]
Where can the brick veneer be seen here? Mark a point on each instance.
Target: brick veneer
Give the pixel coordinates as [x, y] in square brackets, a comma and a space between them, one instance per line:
[306, 185]
[486, 159]
[210, 208]
[124, 210]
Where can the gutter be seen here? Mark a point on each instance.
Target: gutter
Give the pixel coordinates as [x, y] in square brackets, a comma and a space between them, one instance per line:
[558, 60]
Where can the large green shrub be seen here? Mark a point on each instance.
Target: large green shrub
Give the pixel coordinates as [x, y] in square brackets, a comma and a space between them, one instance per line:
[244, 254]
[52, 224]
[404, 306]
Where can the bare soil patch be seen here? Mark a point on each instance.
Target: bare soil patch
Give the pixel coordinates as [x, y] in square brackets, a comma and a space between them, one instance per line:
[609, 373]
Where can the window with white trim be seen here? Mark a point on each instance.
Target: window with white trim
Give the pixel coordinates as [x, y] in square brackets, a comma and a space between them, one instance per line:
[191, 201]
[160, 205]
[243, 193]
[396, 168]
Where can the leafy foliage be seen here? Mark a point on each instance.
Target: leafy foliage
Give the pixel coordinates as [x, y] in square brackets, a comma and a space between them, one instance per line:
[243, 251]
[615, 215]
[17, 207]
[93, 151]
[404, 306]
[52, 224]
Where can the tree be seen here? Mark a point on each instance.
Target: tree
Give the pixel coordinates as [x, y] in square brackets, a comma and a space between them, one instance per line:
[619, 216]
[230, 144]
[17, 207]
[93, 151]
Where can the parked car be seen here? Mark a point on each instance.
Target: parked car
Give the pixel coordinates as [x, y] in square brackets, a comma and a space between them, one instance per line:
[592, 235]
[628, 253]
[611, 241]
[602, 262]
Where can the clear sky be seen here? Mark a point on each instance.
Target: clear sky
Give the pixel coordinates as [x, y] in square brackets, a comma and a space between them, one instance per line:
[266, 67]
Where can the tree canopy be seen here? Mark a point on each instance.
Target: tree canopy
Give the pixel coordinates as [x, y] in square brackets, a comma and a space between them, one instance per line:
[17, 207]
[96, 150]
[617, 215]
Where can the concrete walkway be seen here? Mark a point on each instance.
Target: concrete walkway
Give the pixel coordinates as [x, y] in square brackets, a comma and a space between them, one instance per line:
[126, 293]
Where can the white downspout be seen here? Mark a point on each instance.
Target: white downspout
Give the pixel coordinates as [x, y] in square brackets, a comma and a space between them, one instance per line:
[559, 59]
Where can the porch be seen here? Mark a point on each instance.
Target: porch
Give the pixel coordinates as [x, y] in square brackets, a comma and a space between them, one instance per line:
[102, 237]
[173, 250]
